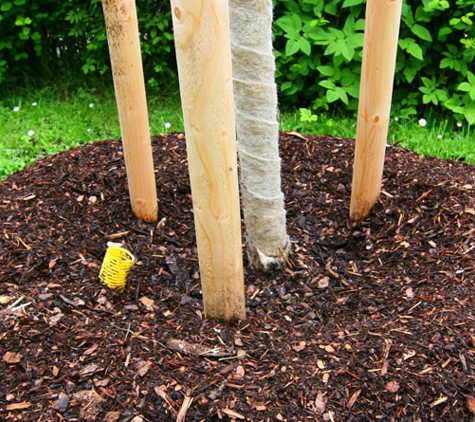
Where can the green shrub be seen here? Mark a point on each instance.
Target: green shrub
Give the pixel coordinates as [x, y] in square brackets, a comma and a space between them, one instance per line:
[47, 40]
[319, 47]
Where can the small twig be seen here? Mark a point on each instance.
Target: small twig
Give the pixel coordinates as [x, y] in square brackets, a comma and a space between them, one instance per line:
[297, 135]
[184, 408]
[330, 270]
[285, 258]
[164, 395]
[20, 307]
[127, 330]
[127, 333]
[231, 357]
[10, 307]
[138, 231]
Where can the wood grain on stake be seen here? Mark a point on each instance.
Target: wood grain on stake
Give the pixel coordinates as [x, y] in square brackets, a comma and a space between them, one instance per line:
[201, 30]
[126, 60]
[377, 76]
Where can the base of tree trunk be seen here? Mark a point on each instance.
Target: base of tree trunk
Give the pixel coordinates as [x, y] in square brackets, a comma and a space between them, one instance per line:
[258, 260]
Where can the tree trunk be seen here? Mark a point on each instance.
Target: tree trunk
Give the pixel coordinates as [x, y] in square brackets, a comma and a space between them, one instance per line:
[255, 94]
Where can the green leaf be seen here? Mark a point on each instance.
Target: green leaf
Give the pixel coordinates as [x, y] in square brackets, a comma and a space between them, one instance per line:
[359, 25]
[447, 62]
[469, 114]
[291, 47]
[341, 94]
[20, 21]
[5, 7]
[291, 24]
[326, 70]
[347, 52]
[286, 86]
[471, 78]
[340, 47]
[466, 19]
[353, 90]
[410, 73]
[444, 31]
[464, 86]
[332, 96]
[442, 95]
[428, 82]
[410, 45]
[331, 7]
[327, 84]
[421, 32]
[320, 36]
[356, 40]
[406, 14]
[349, 3]
[304, 45]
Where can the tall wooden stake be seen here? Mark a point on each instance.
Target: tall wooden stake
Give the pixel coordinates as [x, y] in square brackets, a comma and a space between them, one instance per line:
[377, 77]
[126, 60]
[203, 53]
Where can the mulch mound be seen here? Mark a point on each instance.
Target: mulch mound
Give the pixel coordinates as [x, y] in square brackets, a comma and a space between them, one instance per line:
[372, 321]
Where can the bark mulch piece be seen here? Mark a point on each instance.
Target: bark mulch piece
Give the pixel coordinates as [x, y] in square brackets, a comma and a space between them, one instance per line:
[373, 320]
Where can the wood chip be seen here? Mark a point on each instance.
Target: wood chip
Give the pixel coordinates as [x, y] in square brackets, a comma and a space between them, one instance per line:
[353, 398]
[299, 347]
[161, 392]
[12, 357]
[232, 414]
[143, 367]
[438, 401]
[184, 408]
[470, 403]
[19, 406]
[392, 386]
[320, 403]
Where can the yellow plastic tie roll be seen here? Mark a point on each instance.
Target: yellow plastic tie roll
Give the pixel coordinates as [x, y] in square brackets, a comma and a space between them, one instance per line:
[116, 266]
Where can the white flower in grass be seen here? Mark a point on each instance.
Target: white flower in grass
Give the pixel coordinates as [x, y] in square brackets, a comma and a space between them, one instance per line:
[459, 124]
[423, 122]
[88, 130]
[439, 136]
[167, 125]
[91, 105]
[31, 133]
[16, 108]
[34, 103]
[396, 119]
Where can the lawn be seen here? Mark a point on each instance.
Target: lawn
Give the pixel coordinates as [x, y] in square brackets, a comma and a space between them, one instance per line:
[37, 123]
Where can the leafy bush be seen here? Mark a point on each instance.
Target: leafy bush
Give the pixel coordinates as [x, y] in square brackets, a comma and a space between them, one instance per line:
[47, 40]
[319, 47]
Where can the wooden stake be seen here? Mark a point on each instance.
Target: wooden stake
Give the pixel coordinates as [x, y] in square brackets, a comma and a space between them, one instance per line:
[203, 53]
[126, 60]
[377, 76]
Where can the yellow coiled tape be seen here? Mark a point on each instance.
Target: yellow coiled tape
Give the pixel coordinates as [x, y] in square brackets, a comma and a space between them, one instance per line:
[116, 266]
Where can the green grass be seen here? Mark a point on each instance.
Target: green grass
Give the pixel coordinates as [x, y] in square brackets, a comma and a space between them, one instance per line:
[37, 123]
[434, 136]
[34, 125]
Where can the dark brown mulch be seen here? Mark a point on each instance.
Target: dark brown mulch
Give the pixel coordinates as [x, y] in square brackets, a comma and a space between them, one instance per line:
[373, 321]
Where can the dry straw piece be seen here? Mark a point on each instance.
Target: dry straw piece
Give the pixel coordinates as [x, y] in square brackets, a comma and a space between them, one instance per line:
[116, 266]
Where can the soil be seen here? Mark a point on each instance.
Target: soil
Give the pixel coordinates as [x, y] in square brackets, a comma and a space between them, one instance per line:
[371, 321]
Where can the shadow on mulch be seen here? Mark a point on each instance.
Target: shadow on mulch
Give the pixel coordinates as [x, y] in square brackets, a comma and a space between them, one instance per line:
[373, 321]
